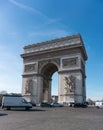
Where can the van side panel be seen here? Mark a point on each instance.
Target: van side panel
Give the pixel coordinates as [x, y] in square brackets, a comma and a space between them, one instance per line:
[9, 101]
[99, 104]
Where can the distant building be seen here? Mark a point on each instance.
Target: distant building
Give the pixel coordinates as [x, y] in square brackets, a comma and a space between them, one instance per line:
[54, 98]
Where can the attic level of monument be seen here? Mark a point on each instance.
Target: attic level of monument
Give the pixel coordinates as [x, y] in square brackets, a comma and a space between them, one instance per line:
[54, 40]
[65, 55]
[64, 43]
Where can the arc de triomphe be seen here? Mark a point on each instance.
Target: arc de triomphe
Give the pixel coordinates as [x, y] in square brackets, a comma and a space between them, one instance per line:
[67, 56]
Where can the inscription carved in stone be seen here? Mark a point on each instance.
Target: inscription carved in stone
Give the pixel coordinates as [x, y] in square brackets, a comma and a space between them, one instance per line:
[69, 82]
[29, 68]
[70, 62]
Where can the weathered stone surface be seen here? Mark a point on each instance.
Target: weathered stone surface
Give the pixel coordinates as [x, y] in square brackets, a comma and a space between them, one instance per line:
[67, 56]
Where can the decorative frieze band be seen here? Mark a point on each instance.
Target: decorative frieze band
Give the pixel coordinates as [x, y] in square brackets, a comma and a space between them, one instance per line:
[52, 45]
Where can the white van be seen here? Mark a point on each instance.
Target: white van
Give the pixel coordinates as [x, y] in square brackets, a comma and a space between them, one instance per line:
[9, 102]
[99, 104]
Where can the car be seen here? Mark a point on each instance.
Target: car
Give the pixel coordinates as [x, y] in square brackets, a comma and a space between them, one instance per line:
[57, 105]
[9, 102]
[45, 104]
[99, 104]
[33, 104]
[80, 105]
[71, 104]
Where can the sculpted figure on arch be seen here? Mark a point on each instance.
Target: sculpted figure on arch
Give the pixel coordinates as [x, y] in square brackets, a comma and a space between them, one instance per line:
[69, 84]
[28, 86]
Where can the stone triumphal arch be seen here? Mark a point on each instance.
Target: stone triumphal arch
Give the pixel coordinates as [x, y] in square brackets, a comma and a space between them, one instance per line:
[67, 56]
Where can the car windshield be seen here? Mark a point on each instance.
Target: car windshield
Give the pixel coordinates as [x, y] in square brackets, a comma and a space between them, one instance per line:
[24, 101]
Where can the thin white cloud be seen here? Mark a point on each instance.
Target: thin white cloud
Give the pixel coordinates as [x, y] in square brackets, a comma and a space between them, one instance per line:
[55, 33]
[20, 5]
[34, 10]
[26, 7]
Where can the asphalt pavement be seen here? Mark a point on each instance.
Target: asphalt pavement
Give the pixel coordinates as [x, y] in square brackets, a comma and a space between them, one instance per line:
[64, 118]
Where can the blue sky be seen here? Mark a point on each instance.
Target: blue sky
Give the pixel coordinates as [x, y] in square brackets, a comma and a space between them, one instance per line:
[24, 22]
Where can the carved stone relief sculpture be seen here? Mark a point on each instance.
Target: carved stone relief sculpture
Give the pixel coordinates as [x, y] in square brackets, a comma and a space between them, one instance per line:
[69, 83]
[70, 62]
[29, 68]
[28, 86]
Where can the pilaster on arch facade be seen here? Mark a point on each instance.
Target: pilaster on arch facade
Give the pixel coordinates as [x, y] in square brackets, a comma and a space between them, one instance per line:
[65, 55]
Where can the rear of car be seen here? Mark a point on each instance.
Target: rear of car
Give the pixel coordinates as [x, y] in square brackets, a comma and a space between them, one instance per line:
[57, 105]
[99, 104]
[45, 104]
[71, 104]
[80, 105]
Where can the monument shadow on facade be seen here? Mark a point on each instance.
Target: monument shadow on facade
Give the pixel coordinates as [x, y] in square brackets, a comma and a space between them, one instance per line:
[67, 56]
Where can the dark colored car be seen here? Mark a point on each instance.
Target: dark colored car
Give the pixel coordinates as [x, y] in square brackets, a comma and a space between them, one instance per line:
[45, 104]
[71, 104]
[57, 105]
[80, 105]
[33, 104]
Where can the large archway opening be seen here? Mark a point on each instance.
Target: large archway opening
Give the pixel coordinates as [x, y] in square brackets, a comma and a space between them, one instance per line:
[47, 71]
[54, 85]
[54, 88]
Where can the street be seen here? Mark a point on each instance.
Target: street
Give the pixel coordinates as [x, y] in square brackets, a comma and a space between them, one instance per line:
[64, 118]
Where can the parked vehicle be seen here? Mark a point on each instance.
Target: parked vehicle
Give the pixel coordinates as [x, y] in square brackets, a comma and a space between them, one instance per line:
[57, 105]
[99, 104]
[9, 102]
[80, 105]
[45, 104]
[71, 104]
